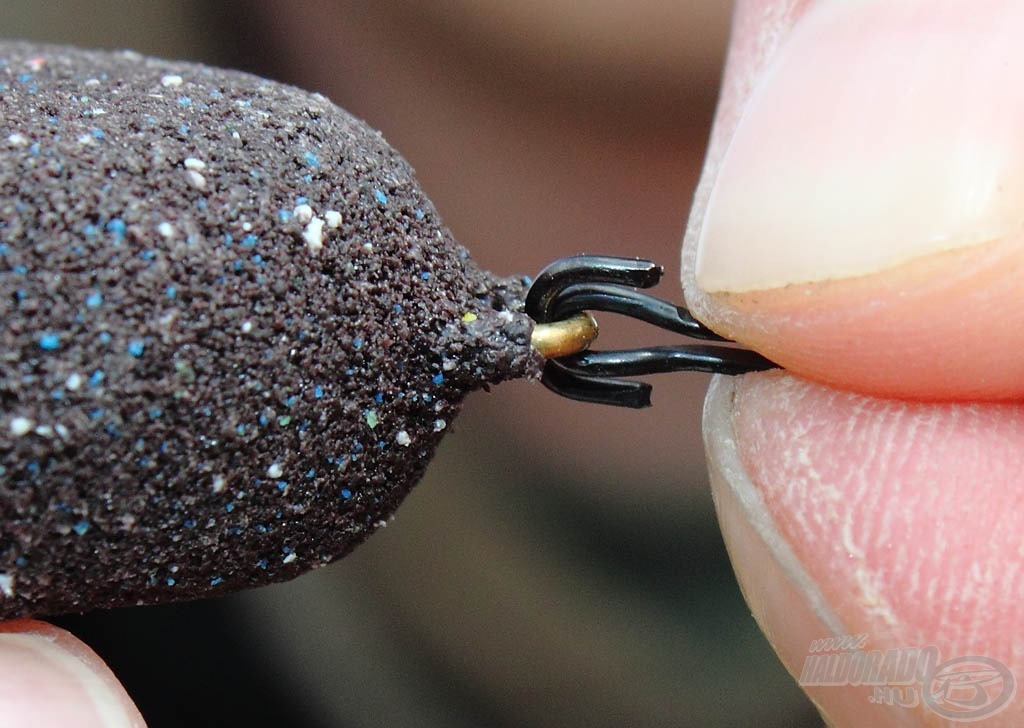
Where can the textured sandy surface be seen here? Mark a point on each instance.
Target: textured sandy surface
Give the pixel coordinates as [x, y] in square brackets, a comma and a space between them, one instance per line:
[234, 330]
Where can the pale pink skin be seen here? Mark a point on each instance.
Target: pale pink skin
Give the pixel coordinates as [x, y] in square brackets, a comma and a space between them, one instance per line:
[50, 679]
[848, 513]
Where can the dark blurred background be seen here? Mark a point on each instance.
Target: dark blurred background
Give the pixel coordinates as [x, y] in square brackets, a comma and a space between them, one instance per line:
[560, 564]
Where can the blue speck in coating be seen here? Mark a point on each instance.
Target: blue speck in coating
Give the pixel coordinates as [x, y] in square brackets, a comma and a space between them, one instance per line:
[136, 347]
[184, 101]
[97, 133]
[438, 379]
[357, 343]
[420, 214]
[381, 197]
[425, 275]
[318, 392]
[94, 299]
[171, 292]
[81, 528]
[249, 241]
[117, 226]
[346, 493]
[49, 341]
[262, 563]
[229, 507]
[215, 581]
[184, 129]
[170, 581]
[97, 377]
[105, 337]
[312, 160]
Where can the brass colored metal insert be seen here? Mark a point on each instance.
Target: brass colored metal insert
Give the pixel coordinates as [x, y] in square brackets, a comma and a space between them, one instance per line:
[562, 338]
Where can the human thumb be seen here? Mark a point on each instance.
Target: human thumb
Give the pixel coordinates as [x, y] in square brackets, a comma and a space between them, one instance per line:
[49, 679]
[859, 222]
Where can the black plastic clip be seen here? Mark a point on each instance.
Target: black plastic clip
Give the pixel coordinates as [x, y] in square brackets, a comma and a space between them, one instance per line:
[582, 283]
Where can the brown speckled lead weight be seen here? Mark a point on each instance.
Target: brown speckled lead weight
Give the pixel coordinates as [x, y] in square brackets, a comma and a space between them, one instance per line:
[234, 330]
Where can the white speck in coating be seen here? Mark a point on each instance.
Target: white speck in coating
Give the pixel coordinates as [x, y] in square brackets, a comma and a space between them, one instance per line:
[44, 431]
[17, 140]
[289, 559]
[247, 226]
[246, 327]
[439, 425]
[195, 179]
[218, 483]
[7, 585]
[333, 219]
[447, 365]
[171, 80]
[367, 247]
[74, 381]
[314, 235]
[62, 431]
[86, 140]
[403, 439]
[196, 164]
[275, 471]
[166, 230]
[21, 426]
[92, 82]
[303, 214]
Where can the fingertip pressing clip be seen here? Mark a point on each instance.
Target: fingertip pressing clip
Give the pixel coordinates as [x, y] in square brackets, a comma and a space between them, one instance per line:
[560, 300]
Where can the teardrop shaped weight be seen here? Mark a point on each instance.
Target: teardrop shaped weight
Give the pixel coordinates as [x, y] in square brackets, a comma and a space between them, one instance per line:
[234, 330]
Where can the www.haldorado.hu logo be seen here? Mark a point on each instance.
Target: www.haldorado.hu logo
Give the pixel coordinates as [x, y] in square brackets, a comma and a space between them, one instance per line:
[963, 689]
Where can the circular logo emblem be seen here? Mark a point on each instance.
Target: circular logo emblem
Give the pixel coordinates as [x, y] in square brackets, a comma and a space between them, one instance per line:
[969, 688]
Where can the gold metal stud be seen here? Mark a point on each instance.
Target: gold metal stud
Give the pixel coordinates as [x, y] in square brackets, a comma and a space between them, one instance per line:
[562, 338]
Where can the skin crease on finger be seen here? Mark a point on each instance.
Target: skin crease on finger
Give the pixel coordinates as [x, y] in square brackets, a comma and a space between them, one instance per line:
[859, 210]
[852, 514]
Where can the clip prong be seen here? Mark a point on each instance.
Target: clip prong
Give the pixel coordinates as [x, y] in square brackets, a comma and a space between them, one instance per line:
[569, 288]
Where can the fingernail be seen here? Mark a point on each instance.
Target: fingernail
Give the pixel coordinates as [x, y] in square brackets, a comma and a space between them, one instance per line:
[52, 679]
[879, 133]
